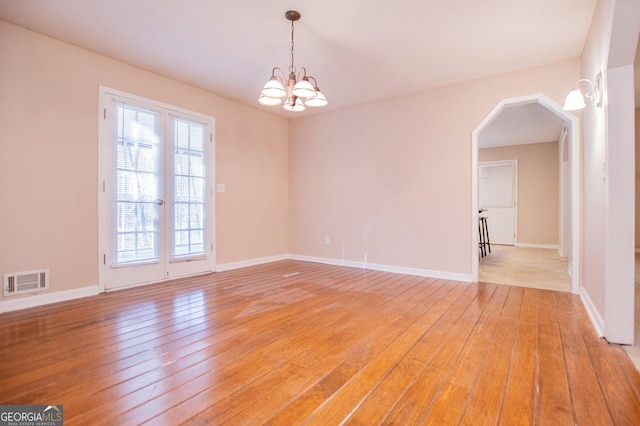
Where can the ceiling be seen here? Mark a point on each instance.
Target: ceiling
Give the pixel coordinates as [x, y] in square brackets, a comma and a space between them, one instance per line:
[521, 124]
[359, 50]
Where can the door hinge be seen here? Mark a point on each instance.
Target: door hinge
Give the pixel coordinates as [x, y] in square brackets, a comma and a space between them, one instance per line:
[104, 186]
[104, 259]
[210, 137]
[104, 113]
[211, 247]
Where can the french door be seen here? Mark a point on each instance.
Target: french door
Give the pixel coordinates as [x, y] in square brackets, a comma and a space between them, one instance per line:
[156, 198]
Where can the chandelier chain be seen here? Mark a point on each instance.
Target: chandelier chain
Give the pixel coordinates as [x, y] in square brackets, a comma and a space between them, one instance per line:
[292, 68]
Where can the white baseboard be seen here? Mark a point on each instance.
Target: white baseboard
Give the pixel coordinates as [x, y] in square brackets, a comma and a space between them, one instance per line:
[594, 315]
[385, 268]
[544, 246]
[326, 261]
[251, 262]
[10, 304]
[7, 305]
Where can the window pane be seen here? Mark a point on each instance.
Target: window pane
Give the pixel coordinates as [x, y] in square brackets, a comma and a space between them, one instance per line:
[181, 216]
[197, 138]
[196, 213]
[196, 188]
[137, 153]
[182, 189]
[196, 164]
[189, 188]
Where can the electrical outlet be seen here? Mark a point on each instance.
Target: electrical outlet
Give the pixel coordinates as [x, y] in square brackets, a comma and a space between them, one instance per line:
[327, 240]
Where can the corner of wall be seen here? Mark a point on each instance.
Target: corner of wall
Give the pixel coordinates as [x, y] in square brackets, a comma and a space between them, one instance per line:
[594, 315]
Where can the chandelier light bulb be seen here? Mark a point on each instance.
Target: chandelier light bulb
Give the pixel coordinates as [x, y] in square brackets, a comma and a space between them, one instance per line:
[574, 101]
[274, 88]
[294, 105]
[317, 101]
[304, 89]
[269, 101]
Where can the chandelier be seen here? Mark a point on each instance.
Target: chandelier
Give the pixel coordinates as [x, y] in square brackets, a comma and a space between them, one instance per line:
[298, 92]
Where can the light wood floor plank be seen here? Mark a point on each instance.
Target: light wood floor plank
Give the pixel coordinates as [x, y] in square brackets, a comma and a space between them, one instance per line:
[451, 399]
[373, 280]
[485, 401]
[454, 328]
[140, 346]
[588, 401]
[340, 407]
[521, 396]
[554, 400]
[297, 342]
[614, 378]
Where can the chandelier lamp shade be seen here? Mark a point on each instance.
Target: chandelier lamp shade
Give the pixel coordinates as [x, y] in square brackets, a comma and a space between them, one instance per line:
[294, 92]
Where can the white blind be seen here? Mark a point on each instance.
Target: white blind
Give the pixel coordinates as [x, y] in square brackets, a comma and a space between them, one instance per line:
[187, 189]
[137, 183]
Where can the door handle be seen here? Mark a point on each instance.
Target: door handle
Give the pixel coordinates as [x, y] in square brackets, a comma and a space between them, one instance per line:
[160, 201]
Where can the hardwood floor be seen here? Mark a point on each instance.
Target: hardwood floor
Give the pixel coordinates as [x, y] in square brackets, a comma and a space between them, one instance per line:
[294, 342]
[525, 266]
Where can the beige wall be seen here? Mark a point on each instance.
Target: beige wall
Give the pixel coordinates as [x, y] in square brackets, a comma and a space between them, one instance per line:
[390, 181]
[608, 169]
[593, 128]
[538, 189]
[637, 146]
[49, 159]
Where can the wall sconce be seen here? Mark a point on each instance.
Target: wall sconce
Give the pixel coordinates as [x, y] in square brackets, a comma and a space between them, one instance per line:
[575, 98]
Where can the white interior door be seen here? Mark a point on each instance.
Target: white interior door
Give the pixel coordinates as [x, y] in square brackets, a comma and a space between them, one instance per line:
[156, 201]
[497, 197]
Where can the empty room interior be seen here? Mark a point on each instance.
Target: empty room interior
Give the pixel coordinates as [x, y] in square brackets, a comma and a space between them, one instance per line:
[357, 212]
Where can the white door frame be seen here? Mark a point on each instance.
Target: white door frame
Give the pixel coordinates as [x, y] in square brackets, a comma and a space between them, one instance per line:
[574, 160]
[564, 171]
[104, 173]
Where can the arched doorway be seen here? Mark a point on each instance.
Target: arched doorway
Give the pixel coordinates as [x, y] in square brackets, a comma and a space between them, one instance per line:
[572, 126]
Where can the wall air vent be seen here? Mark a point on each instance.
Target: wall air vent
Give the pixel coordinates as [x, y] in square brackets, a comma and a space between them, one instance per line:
[26, 282]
